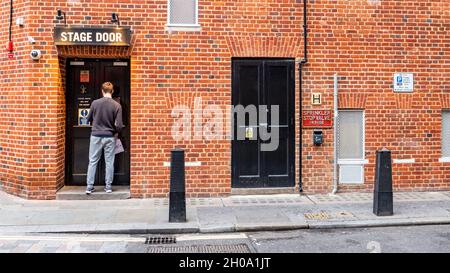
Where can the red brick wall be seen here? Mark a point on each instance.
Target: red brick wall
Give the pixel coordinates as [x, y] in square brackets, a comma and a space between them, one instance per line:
[178, 67]
[365, 42]
[15, 110]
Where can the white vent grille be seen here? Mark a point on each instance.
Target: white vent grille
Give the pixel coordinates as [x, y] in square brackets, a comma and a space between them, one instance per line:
[446, 134]
[183, 12]
[350, 135]
[350, 146]
[351, 174]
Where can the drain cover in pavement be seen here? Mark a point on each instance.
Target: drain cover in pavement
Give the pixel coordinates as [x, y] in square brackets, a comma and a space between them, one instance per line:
[239, 248]
[317, 216]
[160, 240]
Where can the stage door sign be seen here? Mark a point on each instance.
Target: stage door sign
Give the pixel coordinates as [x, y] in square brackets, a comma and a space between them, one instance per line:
[100, 36]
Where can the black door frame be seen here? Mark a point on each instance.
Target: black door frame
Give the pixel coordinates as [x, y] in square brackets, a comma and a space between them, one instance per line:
[235, 183]
[70, 96]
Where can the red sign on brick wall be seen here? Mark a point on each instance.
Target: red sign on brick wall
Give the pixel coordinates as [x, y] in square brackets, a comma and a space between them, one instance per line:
[317, 119]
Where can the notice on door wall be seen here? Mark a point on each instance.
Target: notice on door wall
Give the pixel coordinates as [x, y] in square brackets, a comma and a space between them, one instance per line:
[84, 102]
[82, 117]
[84, 76]
[317, 119]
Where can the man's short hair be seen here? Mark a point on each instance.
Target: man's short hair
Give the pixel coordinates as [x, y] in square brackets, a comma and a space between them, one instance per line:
[108, 87]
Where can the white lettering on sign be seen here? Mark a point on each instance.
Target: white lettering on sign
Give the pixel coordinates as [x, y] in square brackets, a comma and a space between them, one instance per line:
[76, 37]
[109, 37]
[104, 37]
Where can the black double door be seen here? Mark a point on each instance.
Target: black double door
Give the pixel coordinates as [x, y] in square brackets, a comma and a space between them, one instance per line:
[265, 82]
[84, 80]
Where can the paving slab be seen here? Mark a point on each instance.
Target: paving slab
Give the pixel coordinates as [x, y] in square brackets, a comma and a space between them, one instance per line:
[215, 220]
[210, 215]
[77, 193]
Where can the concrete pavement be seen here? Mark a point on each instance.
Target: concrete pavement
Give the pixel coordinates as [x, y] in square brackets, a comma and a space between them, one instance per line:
[214, 215]
[411, 239]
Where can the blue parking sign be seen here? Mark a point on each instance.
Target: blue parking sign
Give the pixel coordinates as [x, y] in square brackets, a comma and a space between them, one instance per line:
[403, 82]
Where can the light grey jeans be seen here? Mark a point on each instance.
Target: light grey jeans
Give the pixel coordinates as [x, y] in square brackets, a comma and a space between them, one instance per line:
[97, 145]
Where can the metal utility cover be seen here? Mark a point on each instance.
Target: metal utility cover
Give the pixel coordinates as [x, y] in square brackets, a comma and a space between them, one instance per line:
[237, 248]
[317, 216]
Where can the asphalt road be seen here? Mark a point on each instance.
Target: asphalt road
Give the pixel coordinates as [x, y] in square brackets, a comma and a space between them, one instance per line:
[418, 239]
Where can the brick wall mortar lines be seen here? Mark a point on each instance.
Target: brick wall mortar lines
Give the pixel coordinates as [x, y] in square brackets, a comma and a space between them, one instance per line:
[365, 44]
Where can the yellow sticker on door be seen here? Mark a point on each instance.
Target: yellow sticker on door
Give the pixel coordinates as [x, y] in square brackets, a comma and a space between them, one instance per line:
[249, 133]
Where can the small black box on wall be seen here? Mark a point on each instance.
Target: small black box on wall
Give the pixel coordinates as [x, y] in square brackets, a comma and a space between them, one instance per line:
[318, 137]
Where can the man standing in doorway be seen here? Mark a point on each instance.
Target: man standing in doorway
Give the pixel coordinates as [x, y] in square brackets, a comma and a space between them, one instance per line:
[106, 118]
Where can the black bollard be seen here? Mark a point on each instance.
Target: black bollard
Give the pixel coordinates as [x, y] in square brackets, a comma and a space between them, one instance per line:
[383, 196]
[177, 198]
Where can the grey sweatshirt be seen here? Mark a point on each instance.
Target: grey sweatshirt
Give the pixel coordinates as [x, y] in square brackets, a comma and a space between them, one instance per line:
[105, 117]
